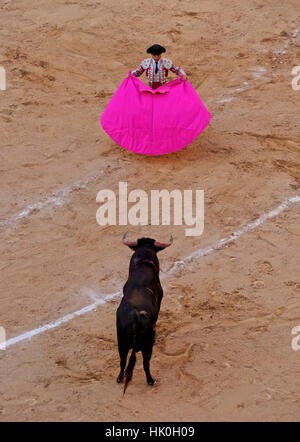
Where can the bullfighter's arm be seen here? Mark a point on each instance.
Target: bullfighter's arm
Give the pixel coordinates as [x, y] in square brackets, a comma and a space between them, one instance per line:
[137, 72]
[176, 69]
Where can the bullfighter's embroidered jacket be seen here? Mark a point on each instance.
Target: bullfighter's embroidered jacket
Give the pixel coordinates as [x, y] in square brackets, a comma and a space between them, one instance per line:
[165, 65]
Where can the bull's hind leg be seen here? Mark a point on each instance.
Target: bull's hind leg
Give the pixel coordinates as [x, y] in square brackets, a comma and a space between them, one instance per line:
[123, 352]
[147, 353]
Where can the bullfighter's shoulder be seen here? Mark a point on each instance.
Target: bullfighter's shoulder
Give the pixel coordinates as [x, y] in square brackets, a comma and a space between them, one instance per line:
[167, 63]
[146, 63]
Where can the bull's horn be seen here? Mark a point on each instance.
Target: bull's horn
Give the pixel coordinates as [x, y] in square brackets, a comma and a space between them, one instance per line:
[164, 244]
[128, 243]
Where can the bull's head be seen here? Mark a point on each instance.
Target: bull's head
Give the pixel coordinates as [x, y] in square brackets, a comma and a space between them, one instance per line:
[147, 242]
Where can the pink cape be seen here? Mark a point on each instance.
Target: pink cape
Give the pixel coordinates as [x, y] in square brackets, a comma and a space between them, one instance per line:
[154, 121]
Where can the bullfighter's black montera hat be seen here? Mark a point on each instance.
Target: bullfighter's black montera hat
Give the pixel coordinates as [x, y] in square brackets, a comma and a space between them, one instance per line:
[156, 50]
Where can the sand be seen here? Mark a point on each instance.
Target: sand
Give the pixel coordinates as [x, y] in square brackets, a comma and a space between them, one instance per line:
[223, 349]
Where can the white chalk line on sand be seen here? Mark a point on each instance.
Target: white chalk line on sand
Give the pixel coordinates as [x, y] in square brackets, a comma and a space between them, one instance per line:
[64, 319]
[288, 43]
[260, 71]
[177, 266]
[57, 198]
[225, 241]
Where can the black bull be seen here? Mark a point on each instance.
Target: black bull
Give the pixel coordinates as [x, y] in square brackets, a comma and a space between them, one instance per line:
[139, 308]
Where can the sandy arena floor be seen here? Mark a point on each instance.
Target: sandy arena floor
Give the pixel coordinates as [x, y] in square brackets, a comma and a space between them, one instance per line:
[223, 348]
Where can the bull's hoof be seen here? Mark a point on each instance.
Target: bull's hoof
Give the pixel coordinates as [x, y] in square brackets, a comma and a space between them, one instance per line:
[150, 381]
[120, 378]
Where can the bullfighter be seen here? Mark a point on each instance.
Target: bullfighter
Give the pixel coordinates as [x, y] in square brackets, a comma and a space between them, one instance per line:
[157, 67]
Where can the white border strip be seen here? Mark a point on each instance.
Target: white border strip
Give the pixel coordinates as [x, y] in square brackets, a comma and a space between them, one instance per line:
[178, 265]
[224, 241]
[67, 318]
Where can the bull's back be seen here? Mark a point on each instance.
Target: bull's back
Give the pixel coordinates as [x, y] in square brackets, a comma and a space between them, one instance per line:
[144, 298]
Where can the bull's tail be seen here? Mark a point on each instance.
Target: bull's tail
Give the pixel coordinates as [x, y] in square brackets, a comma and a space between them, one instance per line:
[129, 369]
